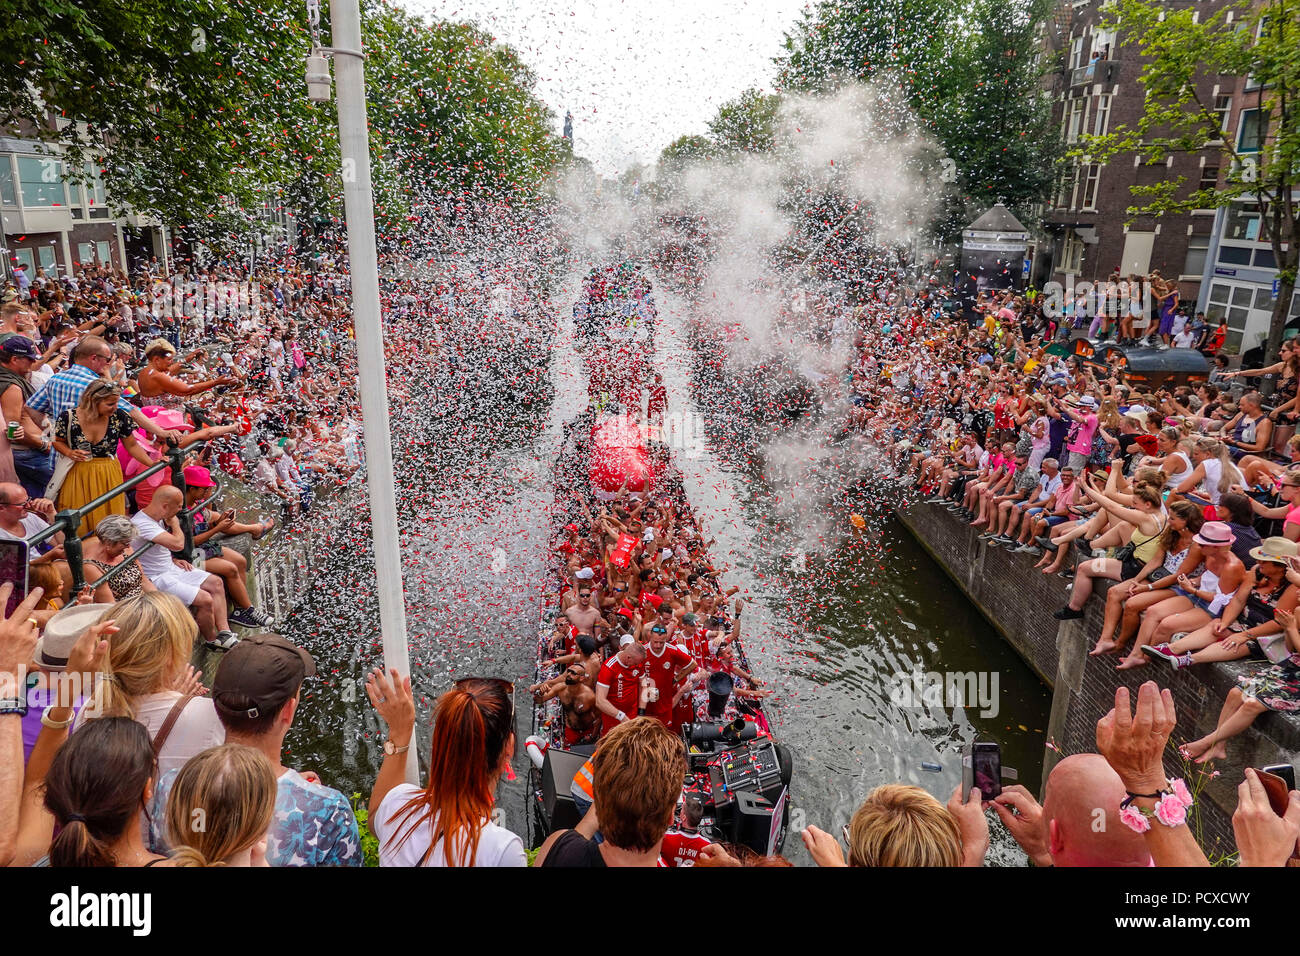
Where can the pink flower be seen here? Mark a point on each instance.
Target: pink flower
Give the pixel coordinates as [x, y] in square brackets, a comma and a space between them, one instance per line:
[1132, 818]
[1171, 812]
[1181, 793]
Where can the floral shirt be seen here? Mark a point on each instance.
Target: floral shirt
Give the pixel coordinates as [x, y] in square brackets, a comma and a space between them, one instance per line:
[313, 825]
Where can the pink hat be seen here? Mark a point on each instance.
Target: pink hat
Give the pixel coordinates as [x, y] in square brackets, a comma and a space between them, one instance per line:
[1215, 534]
[198, 477]
[172, 418]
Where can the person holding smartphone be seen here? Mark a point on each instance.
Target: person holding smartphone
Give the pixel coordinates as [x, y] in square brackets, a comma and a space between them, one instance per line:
[228, 563]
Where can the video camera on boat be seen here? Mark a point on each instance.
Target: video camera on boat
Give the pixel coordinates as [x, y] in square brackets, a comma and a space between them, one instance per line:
[733, 732]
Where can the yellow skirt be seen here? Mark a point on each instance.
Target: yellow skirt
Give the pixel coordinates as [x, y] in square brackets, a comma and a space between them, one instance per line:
[86, 481]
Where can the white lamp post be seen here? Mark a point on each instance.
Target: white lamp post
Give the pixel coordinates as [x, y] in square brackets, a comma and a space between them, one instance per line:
[372, 381]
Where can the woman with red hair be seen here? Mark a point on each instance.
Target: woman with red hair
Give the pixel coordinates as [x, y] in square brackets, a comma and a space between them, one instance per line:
[446, 823]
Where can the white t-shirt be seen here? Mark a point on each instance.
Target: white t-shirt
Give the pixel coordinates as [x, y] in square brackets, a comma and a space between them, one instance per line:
[31, 524]
[497, 846]
[157, 561]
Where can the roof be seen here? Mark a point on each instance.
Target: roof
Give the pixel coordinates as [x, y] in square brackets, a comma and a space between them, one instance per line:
[997, 219]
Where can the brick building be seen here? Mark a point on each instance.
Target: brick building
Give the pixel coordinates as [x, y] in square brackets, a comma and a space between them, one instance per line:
[1095, 89]
[1240, 270]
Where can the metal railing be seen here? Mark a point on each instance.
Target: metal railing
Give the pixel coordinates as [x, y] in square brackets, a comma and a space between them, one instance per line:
[68, 521]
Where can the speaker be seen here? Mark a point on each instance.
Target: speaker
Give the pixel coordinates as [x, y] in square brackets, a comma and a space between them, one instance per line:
[751, 822]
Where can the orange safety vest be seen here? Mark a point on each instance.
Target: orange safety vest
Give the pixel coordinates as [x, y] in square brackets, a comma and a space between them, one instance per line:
[584, 783]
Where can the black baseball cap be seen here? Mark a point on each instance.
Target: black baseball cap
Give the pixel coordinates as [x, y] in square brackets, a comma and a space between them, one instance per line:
[21, 346]
[258, 675]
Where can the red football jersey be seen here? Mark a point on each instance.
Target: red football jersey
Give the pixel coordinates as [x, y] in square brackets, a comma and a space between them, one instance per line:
[662, 669]
[624, 685]
[681, 848]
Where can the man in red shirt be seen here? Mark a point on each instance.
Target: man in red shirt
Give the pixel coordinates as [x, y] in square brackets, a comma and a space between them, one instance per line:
[667, 665]
[618, 686]
[682, 845]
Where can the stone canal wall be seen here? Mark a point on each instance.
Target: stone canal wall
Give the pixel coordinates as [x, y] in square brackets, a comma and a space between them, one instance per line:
[1019, 602]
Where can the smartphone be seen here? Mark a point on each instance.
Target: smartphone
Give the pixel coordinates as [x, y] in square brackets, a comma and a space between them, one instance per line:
[1287, 774]
[981, 767]
[1277, 790]
[13, 569]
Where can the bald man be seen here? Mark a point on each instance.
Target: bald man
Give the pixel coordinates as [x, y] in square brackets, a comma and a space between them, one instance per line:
[1078, 823]
[203, 593]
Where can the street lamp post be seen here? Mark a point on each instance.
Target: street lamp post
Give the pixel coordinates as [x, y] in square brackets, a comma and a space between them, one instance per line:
[372, 381]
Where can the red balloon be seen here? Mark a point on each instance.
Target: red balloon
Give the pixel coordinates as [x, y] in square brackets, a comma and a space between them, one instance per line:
[618, 454]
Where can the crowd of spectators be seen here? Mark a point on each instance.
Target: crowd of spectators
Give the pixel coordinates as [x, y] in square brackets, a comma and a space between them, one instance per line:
[113, 747]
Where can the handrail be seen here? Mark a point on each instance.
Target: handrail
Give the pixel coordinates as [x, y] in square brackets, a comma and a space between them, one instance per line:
[69, 520]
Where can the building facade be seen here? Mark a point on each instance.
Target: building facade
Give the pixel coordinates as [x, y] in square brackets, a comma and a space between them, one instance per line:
[1240, 281]
[1090, 233]
[58, 226]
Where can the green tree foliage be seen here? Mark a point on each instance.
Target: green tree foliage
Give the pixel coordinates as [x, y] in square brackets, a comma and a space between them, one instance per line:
[197, 113]
[747, 124]
[455, 112]
[1186, 51]
[684, 150]
[970, 71]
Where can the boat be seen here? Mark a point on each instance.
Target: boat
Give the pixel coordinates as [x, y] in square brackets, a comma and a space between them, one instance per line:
[736, 768]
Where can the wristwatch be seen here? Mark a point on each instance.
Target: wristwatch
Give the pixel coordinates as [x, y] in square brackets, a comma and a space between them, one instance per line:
[391, 749]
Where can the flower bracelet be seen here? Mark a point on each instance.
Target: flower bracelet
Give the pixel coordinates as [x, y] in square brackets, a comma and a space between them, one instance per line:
[1170, 809]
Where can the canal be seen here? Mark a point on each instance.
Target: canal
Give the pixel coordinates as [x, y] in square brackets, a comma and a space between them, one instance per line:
[856, 633]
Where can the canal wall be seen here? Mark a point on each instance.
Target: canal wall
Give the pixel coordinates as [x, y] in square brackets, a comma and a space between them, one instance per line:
[1018, 601]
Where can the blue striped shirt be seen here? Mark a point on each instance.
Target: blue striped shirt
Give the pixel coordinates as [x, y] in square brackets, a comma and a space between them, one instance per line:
[63, 391]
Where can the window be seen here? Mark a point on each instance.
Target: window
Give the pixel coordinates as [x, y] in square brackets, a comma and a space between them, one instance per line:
[24, 257]
[40, 179]
[1241, 224]
[1076, 118]
[46, 255]
[1076, 52]
[1092, 178]
[1101, 120]
[86, 253]
[1253, 131]
[1065, 189]
[1209, 179]
[1198, 248]
[7, 195]
[105, 257]
[1072, 254]
[1223, 107]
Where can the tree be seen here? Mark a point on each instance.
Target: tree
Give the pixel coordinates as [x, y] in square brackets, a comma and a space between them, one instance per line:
[190, 110]
[197, 113]
[1185, 52]
[746, 124]
[912, 41]
[455, 112]
[971, 73]
[996, 125]
[683, 151]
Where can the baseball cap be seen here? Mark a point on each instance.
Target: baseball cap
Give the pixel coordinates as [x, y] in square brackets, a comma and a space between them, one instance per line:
[584, 574]
[20, 346]
[690, 620]
[197, 476]
[258, 675]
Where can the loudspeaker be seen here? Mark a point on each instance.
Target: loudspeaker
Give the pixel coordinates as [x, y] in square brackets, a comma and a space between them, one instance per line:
[751, 823]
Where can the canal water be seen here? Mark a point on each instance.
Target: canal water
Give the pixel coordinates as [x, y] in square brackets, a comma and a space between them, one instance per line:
[856, 634]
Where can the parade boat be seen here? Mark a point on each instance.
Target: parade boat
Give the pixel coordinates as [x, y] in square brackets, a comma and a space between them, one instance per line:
[738, 771]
